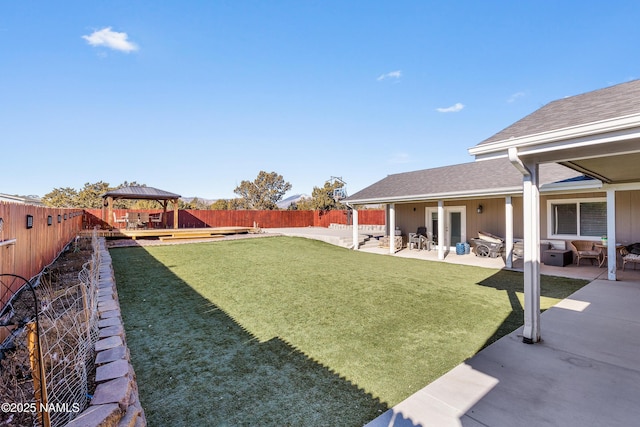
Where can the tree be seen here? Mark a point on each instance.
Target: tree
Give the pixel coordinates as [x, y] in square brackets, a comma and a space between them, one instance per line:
[264, 192]
[195, 204]
[235, 204]
[220, 205]
[303, 204]
[322, 197]
[61, 198]
[91, 195]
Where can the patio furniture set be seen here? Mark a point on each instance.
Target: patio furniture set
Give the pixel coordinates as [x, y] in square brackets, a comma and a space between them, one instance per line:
[135, 220]
[598, 251]
[490, 245]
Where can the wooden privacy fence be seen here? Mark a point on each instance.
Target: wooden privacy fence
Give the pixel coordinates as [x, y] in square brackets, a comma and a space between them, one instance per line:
[247, 218]
[32, 236]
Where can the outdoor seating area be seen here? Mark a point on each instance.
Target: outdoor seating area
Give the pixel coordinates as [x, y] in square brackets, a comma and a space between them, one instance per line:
[421, 239]
[138, 220]
[630, 254]
[583, 249]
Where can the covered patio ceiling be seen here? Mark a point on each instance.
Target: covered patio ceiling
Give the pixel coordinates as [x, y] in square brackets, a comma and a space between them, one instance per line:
[610, 161]
[596, 133]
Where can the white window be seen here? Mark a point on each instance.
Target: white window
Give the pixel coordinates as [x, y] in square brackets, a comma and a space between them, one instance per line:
[577, 218]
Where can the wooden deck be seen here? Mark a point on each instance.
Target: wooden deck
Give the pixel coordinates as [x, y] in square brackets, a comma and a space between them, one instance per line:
[166, 234]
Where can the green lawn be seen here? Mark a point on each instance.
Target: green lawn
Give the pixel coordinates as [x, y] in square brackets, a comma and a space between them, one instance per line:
[290, 331]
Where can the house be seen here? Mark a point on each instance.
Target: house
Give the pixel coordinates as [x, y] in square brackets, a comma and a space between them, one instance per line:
[568, 171]
[474, 197]
[29, 200]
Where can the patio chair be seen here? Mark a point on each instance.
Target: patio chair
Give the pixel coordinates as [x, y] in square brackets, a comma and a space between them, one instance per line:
[117, 220]
[583, 249]
[629, 257]
[419, 239]
[155, 219]
[133, 220]
[144, 219]
[428, 237]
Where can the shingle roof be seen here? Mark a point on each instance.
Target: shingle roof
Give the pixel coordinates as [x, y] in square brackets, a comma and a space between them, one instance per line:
[134, 192]
[615, 101]
[482, 177]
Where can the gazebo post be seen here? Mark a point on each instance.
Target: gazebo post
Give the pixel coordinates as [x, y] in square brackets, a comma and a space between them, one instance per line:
[164, 213]
[109, 218]
[175, 213]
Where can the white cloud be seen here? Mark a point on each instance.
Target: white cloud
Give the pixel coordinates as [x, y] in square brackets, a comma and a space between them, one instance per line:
[400, 158]
[390, 75]
[453, 109]
[111, 39]
[515, 96]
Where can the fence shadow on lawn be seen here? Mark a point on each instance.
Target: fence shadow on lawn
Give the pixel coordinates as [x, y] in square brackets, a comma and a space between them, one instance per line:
[197, 365]
[512, 282]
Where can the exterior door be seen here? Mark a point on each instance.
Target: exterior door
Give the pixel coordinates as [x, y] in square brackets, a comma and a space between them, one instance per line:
[455, 228]
[455, 224]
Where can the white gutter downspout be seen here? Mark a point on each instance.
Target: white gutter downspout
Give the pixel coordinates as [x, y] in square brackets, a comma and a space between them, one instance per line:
[612, 252]
[508, 238]
[531, 218]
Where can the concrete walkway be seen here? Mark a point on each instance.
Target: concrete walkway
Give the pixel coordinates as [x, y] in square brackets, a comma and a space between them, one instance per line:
[585, 372]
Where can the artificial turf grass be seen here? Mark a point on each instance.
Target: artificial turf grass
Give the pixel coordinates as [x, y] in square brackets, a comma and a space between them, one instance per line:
[388, 325]
[196, 366]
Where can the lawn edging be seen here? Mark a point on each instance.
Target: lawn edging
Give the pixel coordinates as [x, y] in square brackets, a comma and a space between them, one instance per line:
[115, 402]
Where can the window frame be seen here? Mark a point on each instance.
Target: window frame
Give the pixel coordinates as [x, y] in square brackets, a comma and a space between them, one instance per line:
[576, 201]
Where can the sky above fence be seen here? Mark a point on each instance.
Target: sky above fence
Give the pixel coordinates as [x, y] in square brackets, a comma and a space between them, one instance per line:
[195, 96]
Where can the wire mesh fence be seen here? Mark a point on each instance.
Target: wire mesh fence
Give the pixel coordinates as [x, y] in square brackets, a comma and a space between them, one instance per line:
[68, 329]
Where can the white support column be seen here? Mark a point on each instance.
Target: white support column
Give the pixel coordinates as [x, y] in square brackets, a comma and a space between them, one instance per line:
[392, 228]
[386, 220]
[508, 238]
[612, 253]
[441, 232]
[356, 235]
[531, 208]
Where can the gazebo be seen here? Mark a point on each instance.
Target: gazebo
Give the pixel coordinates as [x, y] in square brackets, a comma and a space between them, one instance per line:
[142, 193]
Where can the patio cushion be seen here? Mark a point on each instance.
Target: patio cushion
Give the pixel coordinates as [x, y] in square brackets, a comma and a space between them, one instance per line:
[589, 253]
[634, 248]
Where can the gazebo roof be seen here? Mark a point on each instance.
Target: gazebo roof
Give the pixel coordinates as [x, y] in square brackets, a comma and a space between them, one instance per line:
[143, 193]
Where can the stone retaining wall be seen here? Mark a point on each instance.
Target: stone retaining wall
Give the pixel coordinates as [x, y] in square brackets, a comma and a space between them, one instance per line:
[361, 227]
[115, 402]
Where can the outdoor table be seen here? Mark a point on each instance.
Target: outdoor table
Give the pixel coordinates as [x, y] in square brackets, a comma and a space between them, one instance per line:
[603, 251]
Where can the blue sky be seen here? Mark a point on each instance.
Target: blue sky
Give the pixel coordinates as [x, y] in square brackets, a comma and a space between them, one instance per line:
[195, 96]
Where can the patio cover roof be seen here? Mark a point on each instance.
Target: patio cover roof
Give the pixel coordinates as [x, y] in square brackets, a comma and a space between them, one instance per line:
[475, 179]
[141, 193]
[596, 133]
